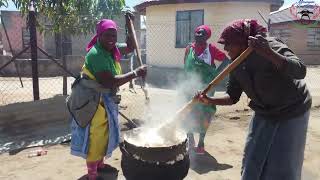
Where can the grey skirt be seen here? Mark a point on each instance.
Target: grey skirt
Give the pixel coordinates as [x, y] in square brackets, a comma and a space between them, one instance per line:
[274, 148]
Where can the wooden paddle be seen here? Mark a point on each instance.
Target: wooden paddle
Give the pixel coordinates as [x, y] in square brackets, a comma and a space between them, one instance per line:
[132, 32]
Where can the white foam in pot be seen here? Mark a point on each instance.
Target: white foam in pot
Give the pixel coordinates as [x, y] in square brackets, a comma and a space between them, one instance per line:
[152, 137]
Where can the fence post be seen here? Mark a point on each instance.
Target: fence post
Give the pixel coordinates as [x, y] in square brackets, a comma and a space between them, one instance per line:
[34, 55]
[67, 50]
[64, 63]
[61, 54]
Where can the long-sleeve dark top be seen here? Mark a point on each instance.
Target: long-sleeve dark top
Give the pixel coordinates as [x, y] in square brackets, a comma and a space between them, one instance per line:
[275, 93]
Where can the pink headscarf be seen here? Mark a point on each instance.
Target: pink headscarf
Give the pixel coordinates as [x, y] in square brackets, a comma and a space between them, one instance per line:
[101, 27]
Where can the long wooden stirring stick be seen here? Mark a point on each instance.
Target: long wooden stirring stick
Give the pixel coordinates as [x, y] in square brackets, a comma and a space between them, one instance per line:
[136, 46]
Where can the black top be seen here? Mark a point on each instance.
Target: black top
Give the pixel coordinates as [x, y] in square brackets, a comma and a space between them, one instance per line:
[275, 93]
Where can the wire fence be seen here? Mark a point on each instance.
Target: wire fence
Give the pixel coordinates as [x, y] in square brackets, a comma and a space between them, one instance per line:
[60, 57]
[161, 49]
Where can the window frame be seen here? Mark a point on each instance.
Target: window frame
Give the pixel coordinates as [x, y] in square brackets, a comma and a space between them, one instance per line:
[190, 28]
[312, 46]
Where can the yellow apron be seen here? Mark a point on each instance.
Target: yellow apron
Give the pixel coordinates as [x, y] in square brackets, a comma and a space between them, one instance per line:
[98, 136]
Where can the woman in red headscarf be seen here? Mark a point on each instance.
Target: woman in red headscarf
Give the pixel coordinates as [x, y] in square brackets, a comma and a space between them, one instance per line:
[272, 77]
[202, 62]
[100, 135]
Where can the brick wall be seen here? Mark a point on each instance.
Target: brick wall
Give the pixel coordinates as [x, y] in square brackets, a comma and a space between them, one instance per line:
[297, 41]
[15, 23]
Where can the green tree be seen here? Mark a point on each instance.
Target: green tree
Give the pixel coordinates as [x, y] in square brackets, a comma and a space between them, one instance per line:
[70, 16]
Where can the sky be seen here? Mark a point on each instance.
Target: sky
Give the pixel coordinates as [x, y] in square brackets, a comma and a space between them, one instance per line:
[132, 3]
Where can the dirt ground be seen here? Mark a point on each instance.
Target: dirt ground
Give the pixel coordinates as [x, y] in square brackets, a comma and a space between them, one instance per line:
[224, 146]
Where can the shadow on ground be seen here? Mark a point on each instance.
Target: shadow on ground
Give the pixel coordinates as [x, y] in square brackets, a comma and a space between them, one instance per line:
[205, 163]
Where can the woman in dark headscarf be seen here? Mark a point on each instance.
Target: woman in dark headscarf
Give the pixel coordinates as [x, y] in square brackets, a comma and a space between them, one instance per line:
[203, 61]
[272, 77]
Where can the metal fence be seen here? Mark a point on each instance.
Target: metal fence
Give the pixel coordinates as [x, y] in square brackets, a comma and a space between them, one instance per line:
[27, 71]
[61, 56]
[58, 58]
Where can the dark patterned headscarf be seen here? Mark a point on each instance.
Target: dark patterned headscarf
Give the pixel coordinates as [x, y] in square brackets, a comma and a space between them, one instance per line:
[239, 31]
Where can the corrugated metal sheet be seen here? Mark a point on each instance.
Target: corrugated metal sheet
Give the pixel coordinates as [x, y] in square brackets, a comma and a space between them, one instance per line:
[33, 123]
[281, 16]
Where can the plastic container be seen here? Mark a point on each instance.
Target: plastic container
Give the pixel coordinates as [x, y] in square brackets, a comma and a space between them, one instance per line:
[38, 152]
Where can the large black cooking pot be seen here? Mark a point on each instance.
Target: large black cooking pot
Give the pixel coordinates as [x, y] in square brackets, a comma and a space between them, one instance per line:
[154, 163]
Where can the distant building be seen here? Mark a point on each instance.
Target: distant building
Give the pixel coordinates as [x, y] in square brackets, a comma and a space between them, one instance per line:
[18, 33]
[170, 23]
[303, 39]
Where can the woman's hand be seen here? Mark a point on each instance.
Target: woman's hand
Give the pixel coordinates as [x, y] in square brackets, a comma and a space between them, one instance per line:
[141, 71]
[129, 15]
[260, 44]
[201, 97]
[129, 39]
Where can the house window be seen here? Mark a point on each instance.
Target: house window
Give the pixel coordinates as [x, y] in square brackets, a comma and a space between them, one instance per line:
[313, 39]
[25, 37]
[282, 34]
[186, 22]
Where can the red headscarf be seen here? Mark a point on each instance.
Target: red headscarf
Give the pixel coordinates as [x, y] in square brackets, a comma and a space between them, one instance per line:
[200, 48]
[216, 54]
[239, 31]
[206, 28]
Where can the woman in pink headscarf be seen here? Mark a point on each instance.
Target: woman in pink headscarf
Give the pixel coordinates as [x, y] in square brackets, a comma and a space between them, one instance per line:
[102, 65]
[202, 63]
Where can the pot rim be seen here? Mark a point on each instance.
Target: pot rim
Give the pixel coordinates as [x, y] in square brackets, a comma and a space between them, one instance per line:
[157, 147]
